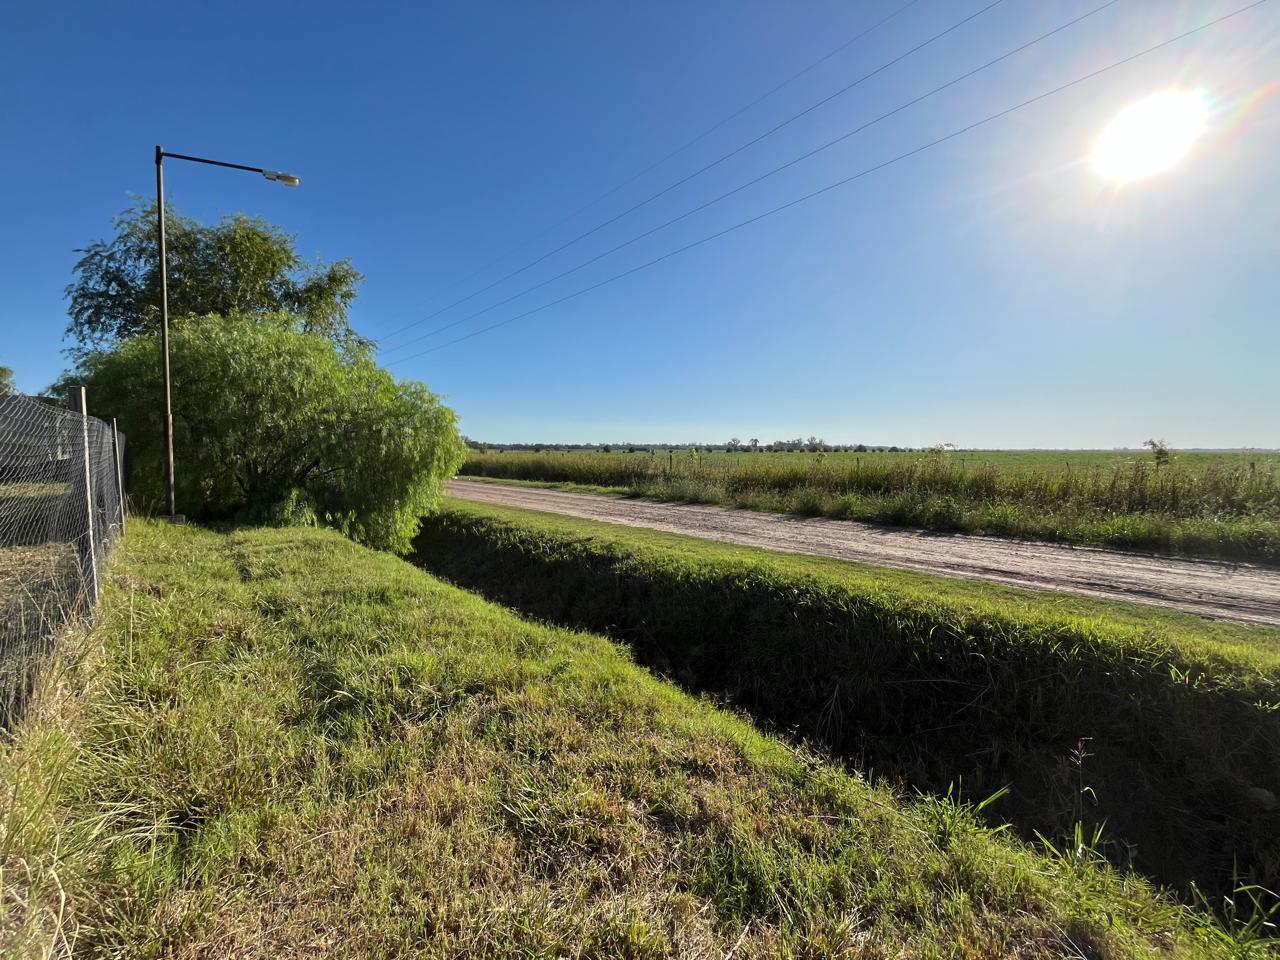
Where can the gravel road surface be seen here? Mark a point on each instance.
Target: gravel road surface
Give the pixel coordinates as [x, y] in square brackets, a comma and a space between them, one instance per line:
[1228, 591]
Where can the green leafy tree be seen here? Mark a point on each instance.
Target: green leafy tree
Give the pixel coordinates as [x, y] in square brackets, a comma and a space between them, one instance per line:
[274, 423]
[241, 266]
[7, 384]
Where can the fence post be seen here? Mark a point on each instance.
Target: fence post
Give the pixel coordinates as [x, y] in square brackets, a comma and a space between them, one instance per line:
[115, 452]
[90, 555]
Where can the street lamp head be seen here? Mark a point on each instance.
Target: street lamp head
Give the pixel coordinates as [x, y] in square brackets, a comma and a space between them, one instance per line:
[288, 179]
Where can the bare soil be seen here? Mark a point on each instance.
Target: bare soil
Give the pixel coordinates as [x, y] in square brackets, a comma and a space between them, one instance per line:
[1219, 590]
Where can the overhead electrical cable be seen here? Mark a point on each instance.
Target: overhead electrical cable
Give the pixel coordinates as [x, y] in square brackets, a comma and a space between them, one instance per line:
[683, 147]
[769, 173]
[701, 170]
[846, 180]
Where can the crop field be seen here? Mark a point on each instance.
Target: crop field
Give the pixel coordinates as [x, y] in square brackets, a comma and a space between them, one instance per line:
[1008, 461]
[275, 741]
[1199, 504]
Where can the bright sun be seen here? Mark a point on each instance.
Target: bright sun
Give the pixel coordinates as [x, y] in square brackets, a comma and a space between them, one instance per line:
[1151, 135]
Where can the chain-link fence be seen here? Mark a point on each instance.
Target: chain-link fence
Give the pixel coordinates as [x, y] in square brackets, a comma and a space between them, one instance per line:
[61, 513]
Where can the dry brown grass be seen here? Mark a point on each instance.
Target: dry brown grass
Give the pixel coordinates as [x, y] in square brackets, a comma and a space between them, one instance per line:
[28, 572]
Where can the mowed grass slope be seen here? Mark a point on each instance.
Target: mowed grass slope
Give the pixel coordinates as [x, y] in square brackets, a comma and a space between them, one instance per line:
[280, 744]
[1159, 728]
[1223, 505]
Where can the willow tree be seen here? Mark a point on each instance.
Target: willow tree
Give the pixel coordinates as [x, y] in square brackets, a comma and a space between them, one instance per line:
[240, 266]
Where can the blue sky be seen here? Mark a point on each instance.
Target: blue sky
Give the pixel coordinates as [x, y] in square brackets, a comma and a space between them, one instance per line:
[992, 291]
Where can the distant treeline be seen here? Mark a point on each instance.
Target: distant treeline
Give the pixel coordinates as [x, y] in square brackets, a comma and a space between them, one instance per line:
[807, 445]
[798, 445]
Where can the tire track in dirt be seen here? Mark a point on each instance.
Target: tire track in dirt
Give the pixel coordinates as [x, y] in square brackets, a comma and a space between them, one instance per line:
[1229, 591]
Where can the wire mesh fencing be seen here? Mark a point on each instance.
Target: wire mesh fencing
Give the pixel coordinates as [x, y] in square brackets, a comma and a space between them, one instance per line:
[61, 514]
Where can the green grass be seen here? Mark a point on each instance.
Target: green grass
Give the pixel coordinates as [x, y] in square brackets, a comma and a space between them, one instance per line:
[1213, 505]
[278, 743]
[1161, 726]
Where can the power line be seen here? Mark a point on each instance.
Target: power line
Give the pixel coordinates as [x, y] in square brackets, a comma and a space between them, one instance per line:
[701, 170]
[846, 180]
[680, 149]
[769, 173]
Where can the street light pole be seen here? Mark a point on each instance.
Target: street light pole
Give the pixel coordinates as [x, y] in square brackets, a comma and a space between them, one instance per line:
[289, 180]
[171, 510]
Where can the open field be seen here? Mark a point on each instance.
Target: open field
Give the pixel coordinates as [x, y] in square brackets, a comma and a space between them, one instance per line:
[1212, 505]
[276, 741]
[1006, 461]
[1159, 724]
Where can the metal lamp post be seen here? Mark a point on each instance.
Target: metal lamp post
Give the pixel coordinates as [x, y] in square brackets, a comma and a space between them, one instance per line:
[289, 180]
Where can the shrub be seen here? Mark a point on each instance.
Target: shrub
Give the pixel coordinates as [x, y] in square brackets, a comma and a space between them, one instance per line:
[271, 423]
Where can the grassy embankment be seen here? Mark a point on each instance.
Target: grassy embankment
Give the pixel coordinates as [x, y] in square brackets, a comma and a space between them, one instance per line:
[1160, 725]
[1227, 506]
[278, 743]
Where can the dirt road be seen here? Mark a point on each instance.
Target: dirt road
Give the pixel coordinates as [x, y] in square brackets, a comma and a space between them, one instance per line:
[1228, 591]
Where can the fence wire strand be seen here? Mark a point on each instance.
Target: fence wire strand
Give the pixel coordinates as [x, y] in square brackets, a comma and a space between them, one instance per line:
[61, 515]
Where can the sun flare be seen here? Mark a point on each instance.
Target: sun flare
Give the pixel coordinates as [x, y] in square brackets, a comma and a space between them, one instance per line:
[1151, 135]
